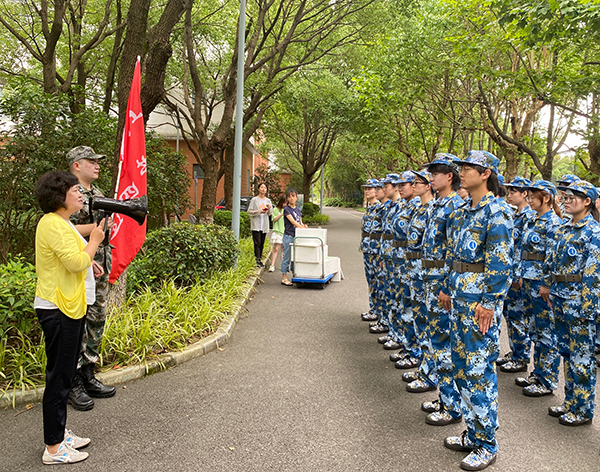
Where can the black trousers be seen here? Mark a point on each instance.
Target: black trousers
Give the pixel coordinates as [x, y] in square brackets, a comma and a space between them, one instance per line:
[258, 237]
[63, 343]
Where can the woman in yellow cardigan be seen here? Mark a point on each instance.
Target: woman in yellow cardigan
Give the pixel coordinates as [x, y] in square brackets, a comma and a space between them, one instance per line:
[63, 262]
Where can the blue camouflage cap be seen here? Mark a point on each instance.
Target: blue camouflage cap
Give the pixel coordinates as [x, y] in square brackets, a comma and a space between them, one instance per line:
[501, 180]
[519, 182]
[407, 177]
[379, 183]
[481, 158]
[568, 179]
[373, 183]
[443, 158]
[544, 186]
[423, 174]
[391, 179]
[581, 186]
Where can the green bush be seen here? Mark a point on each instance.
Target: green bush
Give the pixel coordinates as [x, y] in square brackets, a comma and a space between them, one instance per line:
[223, 218]
[333, 202]
[182, 253]
[309, 210]
[316, 220]
[17, 291]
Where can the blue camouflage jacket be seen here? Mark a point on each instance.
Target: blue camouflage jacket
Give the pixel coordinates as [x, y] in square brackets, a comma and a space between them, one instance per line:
[480, 235]
[435, 235]
[416, 230]
[577, 251]
[400, 225]
[537, 238]
[367, 244]
[385, 248]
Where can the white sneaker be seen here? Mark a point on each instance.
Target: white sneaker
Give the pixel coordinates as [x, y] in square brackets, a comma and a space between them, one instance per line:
[75, 441]
[272, 269]
[64, 455]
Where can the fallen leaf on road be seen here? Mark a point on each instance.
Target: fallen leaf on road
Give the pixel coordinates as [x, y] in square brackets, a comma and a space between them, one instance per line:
[221, 349]
[29, 406]
[232, 448]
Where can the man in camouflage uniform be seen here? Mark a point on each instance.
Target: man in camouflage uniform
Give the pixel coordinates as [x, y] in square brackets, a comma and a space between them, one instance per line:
[85, 164]
[480, 272]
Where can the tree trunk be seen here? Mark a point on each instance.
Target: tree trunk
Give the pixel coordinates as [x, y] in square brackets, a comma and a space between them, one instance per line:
[306, 184]
[228, 174]
[209, 188]
[512, 164]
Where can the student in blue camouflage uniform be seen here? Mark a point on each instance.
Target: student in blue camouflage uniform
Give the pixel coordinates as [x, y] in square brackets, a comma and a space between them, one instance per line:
[518, 326]
[385, 302]
[375, 243]
[414, 269]
[392, 339]
[574, 294]
[565, 181]
[368, 245]
[447, 409]
[533, 270]
[405, 323]
[479, 263]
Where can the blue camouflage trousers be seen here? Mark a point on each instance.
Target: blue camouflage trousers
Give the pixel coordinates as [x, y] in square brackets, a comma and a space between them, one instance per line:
[379, 290]
[546, 360]
[518, 323]
[370, 273]
[436, 367]
[397, 319]
[474, 357]
[408, 328]
[576, 341]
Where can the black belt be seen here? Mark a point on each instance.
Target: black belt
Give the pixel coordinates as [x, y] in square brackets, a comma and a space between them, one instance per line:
[427, 264]
[567, 278]
[387, 237]
[528, 256]
[366, 235]
[463, 267]
[413, 255]
[375, 235]
[400, 244]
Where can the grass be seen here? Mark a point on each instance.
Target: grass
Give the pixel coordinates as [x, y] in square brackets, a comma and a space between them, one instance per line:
[148, 325]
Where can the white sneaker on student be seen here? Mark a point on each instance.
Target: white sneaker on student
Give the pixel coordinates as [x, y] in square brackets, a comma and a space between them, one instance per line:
[64, 455]
[75, 441]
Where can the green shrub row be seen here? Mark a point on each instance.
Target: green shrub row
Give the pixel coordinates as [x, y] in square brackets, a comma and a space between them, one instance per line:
[223, 218]
[182, 253]
[309, 210]
[316, 220]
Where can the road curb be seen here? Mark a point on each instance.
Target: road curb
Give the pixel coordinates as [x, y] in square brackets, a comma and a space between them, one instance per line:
[171, 359]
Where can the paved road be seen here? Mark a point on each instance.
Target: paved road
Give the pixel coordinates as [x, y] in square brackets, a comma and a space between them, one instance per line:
[302, 386]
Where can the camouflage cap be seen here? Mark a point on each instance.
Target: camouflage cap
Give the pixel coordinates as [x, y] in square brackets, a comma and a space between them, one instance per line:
[544, 186]
[407, 177]
[501, 180]
[519, 182]
[371, 183]
[443, 158]
[583, 187]
[82, 152]
[391, 179]
[426, 176]
[481, 158]
[568, 179]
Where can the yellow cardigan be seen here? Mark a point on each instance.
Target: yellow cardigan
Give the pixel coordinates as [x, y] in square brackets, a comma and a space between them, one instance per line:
[61, 265]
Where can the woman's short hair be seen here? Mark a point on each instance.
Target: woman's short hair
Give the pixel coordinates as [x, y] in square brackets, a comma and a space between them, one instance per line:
[492, 182]
[51, 190]
[446, 169]
[290, 191]
[262, 183]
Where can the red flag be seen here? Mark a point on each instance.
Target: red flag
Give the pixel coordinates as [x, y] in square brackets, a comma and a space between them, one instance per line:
[127, 236]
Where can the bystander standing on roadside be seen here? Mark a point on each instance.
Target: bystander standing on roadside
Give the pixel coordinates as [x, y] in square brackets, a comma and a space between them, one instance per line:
[292, 220]
[278, 229]
[259, 209]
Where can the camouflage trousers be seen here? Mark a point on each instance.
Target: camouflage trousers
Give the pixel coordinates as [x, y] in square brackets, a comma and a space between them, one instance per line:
[398, 318]
[94, 324]
[576, 341]
[419, 312]
[436, 367]
[518, 323]
[474, 357]
[370, 274]
[404, 321]
[546, 360]
[382, 284]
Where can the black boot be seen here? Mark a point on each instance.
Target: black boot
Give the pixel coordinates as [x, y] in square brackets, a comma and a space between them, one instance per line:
[78, 397]
[93, 386]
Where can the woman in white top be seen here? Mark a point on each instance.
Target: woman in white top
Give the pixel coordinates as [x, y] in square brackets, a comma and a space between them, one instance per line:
[259, 210]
